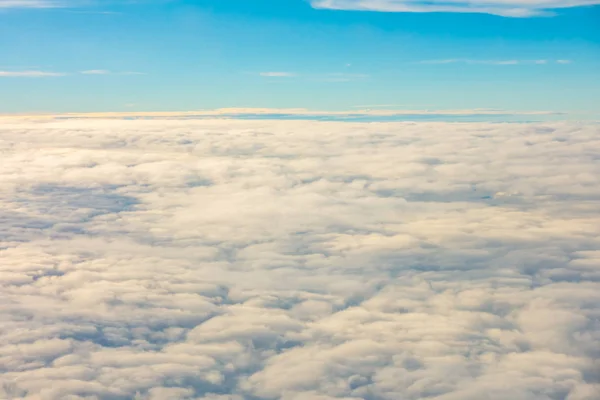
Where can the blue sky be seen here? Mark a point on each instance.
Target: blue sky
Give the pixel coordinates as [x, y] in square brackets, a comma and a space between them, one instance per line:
[85, 56]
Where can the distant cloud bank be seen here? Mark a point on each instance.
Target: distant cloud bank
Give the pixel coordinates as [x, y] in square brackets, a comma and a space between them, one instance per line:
[298, 260]
[253, 112]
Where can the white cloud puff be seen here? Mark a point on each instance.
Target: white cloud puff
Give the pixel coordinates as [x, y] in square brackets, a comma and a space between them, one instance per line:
[298, 260]
[505, 8]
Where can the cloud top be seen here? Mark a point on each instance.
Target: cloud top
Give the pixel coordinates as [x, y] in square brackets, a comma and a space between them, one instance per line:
[231, 260]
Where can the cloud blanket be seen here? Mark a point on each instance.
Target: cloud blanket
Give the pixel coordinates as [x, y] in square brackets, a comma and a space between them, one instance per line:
[299, 260]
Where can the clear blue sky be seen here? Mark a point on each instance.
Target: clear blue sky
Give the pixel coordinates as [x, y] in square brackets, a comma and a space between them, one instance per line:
[186, 55]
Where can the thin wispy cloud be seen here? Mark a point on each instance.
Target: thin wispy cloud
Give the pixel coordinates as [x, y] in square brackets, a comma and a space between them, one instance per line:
[513, 8]
[29, 74]
[492, 62]
[31, 4]
[96, 72]
[277, 74]
[48, 74]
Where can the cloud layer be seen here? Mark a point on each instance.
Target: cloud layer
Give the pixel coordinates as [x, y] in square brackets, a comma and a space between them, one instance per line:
[300, 113]
[505, 8]
[231, 260]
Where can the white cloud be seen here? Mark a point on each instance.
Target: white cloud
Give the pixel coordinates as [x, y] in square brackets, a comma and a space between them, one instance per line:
[564, 61]
[45, 74]
[96, 72]
[29, 74]
[229, 260]
[30, 4]
[278, 74]
[505, 8]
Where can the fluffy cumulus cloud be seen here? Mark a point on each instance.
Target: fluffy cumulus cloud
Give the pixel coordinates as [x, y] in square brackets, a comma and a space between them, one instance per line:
[505, 8]
[263, 260]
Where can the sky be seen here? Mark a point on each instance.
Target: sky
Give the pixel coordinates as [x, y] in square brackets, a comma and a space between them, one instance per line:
[182, 55]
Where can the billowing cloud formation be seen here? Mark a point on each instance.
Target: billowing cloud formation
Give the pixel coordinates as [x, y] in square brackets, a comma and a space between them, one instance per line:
[505, 8]
[231, 260]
